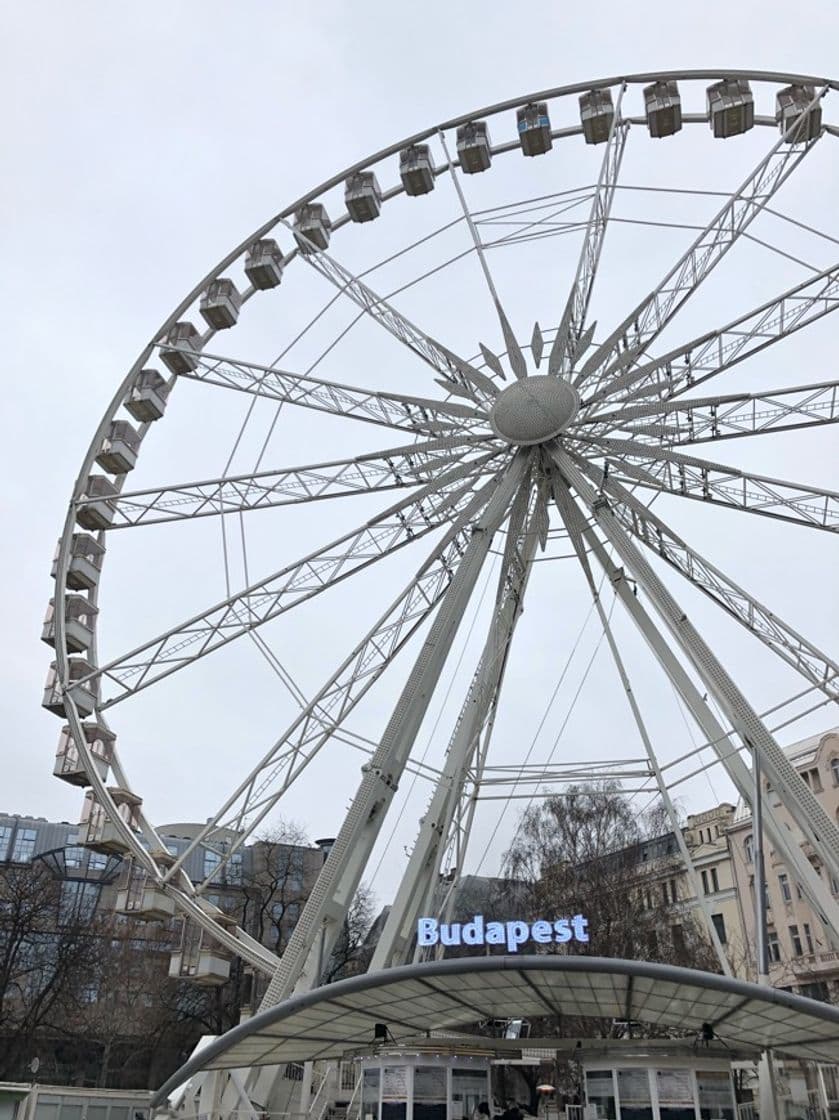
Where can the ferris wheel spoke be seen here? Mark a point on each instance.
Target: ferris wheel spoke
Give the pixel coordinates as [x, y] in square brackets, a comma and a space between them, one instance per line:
[421, 877]
[451, 368]
[685, 476]
[640, 328]
[566, 348]
[411, 518]
[514, 351]
[394, 468]
[393, 410]
[705, 419]
[326, 713]
[809, 661]
[713, 353]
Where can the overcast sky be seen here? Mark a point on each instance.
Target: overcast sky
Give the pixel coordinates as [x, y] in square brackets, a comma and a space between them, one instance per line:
[140, 144]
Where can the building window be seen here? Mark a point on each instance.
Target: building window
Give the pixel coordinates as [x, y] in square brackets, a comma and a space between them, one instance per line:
[808, 937]
[292, 913]
[23, 848]
[710, 881]
[234, 868]
[296, 866]
[834, 770]
[749, 849]
[5, 840]
[812, 779]
[719, 926]
[678, 935]
[774, 946]
[211, 861]
[795, 938]
[78, 900]
[786, 893]
[97, 861]
[816, 989]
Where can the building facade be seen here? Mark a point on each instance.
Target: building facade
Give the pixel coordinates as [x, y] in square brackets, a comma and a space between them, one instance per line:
[96, 977]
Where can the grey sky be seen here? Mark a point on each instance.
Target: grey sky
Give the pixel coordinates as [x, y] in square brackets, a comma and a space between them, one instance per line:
[141, 143]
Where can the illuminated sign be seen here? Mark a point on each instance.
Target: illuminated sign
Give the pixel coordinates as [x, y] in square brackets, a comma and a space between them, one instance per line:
[512, 934]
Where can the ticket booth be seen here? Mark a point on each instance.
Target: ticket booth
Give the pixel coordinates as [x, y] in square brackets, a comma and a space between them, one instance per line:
[423, 1086]
[679, 1087]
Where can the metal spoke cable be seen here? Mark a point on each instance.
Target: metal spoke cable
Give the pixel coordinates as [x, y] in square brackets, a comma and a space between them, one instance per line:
[589, 615]
[736, 750]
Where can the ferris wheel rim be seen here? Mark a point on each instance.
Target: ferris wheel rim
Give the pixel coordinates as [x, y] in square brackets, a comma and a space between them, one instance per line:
[488, 111]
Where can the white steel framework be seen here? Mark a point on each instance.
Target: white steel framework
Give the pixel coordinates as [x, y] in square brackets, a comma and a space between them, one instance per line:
[525, 453]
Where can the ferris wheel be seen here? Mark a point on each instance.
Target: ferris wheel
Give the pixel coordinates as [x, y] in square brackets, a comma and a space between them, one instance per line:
[485, 346]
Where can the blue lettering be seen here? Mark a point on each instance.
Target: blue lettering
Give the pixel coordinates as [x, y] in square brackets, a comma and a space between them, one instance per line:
[473, 932]
[495, 934]
[541, 932]
[512, 934]
[427, 931]
[563, 931]
[450, 935]
[580, 927]
[517, 934]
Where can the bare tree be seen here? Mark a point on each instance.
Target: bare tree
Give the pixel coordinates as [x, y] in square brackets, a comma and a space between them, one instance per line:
[586, 851]
[352, 953]
[47, 953]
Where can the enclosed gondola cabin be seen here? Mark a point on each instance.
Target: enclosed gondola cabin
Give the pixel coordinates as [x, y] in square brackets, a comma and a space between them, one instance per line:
[99, 832]
[138, 896]
[731, 107]
[84, 564]
[220, 304]
[69, 766]
[534, 128]
[474, 149]
[663, 108]
[363, 196]
[118, 453]
[264, 264]
[85, 695]
[416, 169]
[79, 620]
[187, 338]
[596, 115]
[797, 115]
[146, 400]
[199, 958]
[95, 509]
[312, 227]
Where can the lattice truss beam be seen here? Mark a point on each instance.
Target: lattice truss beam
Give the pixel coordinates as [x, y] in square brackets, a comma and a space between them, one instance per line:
[432, 507]
[412, 465]
[402, 412]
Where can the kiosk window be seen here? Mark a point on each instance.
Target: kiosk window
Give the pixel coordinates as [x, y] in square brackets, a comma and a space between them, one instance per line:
[634, 1094]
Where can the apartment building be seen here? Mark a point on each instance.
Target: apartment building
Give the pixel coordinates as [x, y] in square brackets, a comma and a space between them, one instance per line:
[800, 956]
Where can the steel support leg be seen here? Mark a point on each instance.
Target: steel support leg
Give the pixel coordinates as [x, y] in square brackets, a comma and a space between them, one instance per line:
[417, 887]
[337, 883]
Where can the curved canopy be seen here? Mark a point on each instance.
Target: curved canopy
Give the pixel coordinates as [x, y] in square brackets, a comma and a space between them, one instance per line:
[456, 994]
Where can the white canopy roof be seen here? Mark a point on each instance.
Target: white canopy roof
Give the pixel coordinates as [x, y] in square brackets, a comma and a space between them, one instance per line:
[456, 994]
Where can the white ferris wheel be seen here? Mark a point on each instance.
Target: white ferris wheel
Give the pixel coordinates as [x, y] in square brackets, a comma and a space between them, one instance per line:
[481, 363]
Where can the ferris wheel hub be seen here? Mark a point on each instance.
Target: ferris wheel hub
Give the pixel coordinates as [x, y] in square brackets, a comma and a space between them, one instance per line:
[534, 409]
